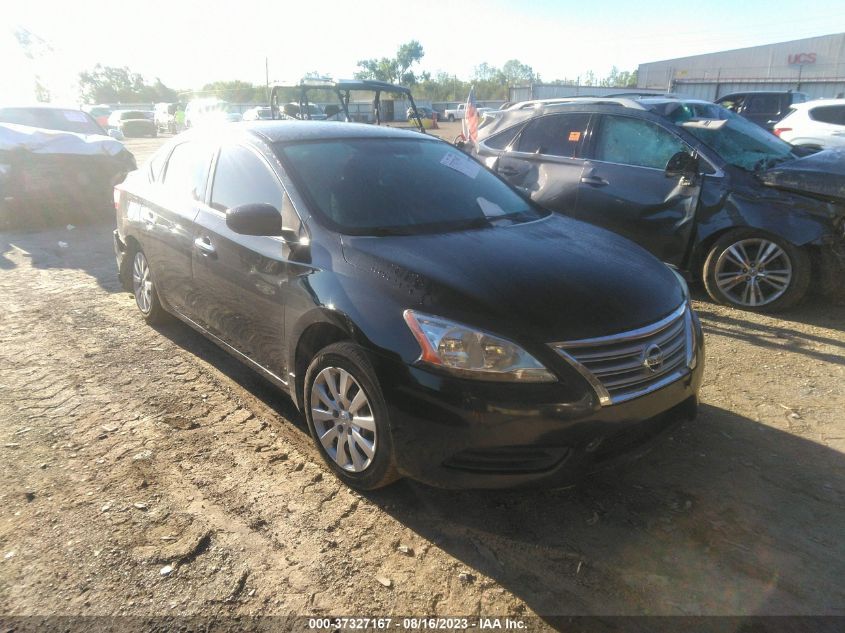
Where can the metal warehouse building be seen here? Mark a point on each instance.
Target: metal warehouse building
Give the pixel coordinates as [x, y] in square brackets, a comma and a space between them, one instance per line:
[815, 66]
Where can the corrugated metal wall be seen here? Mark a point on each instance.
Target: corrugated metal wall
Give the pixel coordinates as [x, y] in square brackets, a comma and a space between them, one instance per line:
[814, 65]
[553, 91]
[711, 91]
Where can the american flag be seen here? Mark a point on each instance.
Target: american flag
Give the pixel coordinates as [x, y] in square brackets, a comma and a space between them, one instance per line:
[470, 124]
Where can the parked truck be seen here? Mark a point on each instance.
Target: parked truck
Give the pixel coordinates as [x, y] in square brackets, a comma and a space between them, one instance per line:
[455, 114]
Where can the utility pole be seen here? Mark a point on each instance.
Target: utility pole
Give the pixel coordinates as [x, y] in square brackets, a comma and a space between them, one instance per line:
[267, 77]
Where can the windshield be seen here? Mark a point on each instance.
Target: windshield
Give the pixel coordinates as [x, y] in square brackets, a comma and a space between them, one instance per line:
[739, 142]
[400, 187]
[52, 119]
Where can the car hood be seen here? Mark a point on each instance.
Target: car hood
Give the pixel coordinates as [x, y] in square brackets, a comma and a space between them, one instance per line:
[820, 174]
[551, 280]
[42, 141]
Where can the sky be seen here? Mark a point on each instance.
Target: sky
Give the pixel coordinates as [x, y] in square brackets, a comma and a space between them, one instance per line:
[188, 43]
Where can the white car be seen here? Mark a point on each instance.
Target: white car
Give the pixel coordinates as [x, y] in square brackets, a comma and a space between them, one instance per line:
[817, 124]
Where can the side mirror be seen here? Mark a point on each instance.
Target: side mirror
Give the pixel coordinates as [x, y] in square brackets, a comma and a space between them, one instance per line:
[332, 110]
[682, 164]
[255, 219]
[115, 134]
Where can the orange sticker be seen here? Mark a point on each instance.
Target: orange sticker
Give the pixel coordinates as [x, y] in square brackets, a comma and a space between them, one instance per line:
[574, 137]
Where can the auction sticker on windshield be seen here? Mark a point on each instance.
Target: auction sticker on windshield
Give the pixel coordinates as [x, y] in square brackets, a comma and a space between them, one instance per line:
[466, 166]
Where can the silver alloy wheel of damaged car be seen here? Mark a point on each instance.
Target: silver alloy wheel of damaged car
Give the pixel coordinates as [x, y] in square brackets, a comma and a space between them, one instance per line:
[142, 283]
[343, 419]
[753, 272]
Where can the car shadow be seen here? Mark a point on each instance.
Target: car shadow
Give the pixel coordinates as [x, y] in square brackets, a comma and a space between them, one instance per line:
[266, 392]
[86, 247]
[776, 332]
[722, 516]
[816, 310]
[719, 516]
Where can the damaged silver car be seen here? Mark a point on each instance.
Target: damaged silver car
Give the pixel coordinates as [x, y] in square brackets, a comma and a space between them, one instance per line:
[708, 192]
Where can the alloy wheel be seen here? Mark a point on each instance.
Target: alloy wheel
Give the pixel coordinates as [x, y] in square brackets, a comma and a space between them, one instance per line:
[753, 272]
[343, 419]
[142, 283]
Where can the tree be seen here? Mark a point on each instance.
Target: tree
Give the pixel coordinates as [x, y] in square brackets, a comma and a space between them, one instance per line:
[393, 70]
[408, 54]
[236, 91]
[108, 84]
[35, 49]
[515, 72]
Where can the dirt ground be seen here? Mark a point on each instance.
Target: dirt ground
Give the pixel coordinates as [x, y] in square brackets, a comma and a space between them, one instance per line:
[144, 471]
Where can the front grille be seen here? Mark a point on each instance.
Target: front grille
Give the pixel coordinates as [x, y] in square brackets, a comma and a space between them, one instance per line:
[628, 365]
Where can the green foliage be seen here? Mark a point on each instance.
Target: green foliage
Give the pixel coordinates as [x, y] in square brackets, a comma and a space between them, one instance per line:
[235, 91]
[395, 70]
[107, 84]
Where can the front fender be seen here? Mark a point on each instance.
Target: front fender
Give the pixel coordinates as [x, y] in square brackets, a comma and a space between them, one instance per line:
[798, 219]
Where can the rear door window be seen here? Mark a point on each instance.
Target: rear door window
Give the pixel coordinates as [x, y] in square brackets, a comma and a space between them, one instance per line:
[187, 169]
[628, 141]
[554, 134]
[763, 104]
[829, 114]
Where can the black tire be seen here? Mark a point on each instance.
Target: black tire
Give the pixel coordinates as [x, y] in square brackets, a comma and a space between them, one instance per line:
[381, 470]
[451, 118]
[151, 309]
[719, 261]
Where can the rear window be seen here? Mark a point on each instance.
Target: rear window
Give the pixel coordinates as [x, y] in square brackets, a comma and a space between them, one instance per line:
[834, 114]
[52, 119]
[187, 169]
[554, 134]
[502, 139]
[763, 104]
[132, 114]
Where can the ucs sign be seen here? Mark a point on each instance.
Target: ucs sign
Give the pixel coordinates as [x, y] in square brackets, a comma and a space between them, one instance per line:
[802, 58]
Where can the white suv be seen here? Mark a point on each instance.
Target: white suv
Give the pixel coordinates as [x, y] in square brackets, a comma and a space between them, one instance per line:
[817, 124]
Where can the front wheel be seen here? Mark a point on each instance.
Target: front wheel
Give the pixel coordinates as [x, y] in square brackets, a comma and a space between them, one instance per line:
[347, 417]
[751, 270]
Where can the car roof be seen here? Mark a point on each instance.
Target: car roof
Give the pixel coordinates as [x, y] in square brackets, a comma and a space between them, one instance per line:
[544, 103]
[39, 106]
[760, 92]
[818, 102]
[281, 131]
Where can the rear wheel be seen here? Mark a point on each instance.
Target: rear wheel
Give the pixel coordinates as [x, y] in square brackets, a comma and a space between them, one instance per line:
[347, 417]
[752, 270]
[146, 295]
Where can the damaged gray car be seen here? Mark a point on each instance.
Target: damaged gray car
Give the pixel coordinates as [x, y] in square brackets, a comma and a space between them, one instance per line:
[708, 192]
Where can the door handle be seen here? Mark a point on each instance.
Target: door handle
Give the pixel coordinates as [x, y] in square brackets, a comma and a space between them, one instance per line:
[205, 247]
[508, 171]
[595, 181]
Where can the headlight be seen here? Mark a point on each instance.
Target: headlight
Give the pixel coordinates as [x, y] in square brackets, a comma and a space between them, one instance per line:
[472, 353]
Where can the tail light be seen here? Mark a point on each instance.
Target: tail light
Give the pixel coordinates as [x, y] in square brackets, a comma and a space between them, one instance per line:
[117, 194]
[781, 130]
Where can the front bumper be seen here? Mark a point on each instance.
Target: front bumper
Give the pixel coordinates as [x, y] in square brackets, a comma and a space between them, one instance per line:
[455, 433]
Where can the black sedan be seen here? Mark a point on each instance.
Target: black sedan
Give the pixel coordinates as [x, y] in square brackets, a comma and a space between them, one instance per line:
[427, 319]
